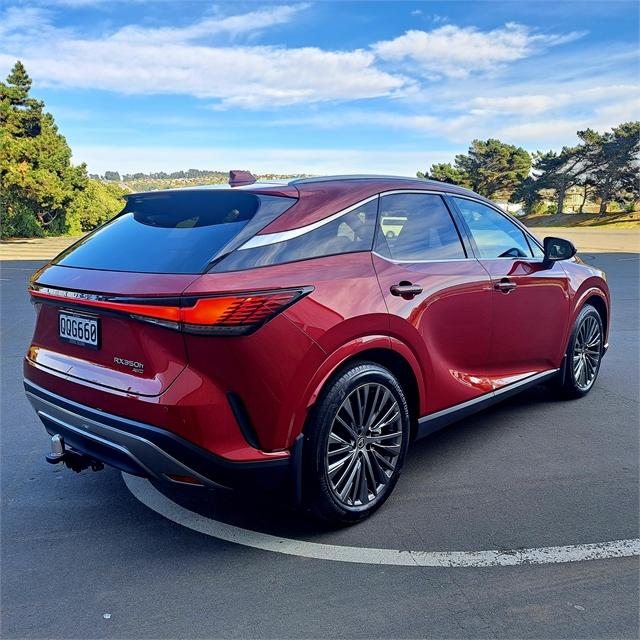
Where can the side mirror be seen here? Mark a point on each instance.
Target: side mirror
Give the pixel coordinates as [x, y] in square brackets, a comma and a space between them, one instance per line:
[557, 249]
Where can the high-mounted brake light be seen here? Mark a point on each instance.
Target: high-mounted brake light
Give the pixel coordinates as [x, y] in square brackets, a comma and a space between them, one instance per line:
[233, 314]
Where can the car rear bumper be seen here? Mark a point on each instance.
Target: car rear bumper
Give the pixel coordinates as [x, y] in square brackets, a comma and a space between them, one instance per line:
[145, 450]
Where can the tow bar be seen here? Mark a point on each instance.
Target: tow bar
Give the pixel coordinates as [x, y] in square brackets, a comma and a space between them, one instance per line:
[72, 459]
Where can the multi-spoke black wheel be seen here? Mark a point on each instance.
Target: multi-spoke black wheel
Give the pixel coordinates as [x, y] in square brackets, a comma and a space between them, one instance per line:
[584, 354]
[587, 352]
[355, 443]
[364, 444]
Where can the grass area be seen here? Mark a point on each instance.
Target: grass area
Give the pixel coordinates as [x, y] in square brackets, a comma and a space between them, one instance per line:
[614, 220]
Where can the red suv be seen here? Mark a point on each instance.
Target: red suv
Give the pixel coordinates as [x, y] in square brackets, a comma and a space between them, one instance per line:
[299, 335]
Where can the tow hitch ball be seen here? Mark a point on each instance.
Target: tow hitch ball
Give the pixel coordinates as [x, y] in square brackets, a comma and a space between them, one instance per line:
[72, 459]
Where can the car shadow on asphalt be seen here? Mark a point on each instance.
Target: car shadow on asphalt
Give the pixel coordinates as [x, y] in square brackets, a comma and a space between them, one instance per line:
[270, 513]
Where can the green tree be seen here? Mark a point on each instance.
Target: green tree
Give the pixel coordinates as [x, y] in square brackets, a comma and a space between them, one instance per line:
[41, 192]
[94, 205]
[37, 180]
[445, 172]
[494, 168]
[613, 160]
[491, 168]
[573, 166]
[527, 193]
[112, 175]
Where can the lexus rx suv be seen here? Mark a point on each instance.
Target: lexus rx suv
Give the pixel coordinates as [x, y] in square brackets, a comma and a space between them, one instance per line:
[298, 336]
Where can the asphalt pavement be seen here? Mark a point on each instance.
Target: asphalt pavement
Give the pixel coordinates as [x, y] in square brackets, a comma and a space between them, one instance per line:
[81, 557]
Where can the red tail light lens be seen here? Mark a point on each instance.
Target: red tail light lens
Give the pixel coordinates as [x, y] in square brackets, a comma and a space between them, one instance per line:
[235, 314]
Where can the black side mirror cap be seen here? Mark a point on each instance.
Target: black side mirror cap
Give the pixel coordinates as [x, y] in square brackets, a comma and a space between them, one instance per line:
[557, 249]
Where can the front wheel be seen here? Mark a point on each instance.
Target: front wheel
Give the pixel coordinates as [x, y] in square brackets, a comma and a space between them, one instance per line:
[584, 354]
[355, 443]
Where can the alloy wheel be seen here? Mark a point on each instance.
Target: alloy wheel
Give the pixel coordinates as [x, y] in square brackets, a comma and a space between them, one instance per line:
[364, 445]
[587, 352]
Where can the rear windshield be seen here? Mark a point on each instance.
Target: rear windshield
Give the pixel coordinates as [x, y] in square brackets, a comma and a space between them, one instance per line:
[174, 232]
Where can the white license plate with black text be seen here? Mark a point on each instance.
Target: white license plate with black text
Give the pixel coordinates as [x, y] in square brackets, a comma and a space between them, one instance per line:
[79, 329]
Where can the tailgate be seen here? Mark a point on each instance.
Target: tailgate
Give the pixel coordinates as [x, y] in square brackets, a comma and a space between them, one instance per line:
[130, 356]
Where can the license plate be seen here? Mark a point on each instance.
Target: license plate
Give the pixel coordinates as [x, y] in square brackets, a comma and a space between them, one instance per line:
[78, 329]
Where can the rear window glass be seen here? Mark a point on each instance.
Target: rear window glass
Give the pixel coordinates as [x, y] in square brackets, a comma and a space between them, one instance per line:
[173, 232]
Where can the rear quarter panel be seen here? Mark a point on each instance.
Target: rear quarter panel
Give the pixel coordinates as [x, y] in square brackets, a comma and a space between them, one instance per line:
[277, 370]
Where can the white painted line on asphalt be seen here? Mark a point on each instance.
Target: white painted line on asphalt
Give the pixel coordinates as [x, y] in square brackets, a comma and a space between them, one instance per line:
[146, 493]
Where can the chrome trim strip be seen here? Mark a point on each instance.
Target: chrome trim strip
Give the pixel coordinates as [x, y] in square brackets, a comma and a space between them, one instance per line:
[395, 192]
[395, 260]
[281, 236]
[533, 378]
[487, 396]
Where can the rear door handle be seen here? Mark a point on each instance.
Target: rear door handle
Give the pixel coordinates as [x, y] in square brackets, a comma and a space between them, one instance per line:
[505, 285]
[405, 290]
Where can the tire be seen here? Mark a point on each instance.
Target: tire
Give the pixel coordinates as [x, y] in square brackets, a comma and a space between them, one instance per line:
[355, 443]
[583, 357]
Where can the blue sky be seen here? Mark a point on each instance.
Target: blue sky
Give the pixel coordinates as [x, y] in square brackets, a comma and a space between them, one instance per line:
[321, 87]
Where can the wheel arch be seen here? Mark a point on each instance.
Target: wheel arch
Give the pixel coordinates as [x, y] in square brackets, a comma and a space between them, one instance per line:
[379, 350]
[598, 303]
[400, 368]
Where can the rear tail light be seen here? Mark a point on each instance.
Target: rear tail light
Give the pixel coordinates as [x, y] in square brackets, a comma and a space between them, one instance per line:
[230, 314]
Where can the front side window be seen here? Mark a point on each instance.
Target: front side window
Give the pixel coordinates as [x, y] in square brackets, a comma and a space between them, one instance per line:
[348, 233]
[417, 226]
[537, 251]
[494, 235]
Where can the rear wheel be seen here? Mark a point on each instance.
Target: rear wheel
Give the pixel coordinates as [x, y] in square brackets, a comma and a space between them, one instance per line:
[584, 354]
[355, 443]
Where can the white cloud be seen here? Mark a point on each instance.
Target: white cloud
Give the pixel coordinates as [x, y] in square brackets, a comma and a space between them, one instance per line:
[188, 60]
[538, 103]
[248, 77]
[25, 21]
[135, 60]
[537, 120]
[456, 52]
[129, 159]
[234, 25]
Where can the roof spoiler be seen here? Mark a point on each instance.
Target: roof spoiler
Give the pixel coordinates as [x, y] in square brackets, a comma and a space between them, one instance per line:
[238, 178]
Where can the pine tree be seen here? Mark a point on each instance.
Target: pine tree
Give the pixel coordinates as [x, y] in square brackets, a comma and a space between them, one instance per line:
[37, 180]
[492, 168]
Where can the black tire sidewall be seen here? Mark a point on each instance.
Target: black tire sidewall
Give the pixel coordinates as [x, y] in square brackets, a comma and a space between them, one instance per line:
[317, 492]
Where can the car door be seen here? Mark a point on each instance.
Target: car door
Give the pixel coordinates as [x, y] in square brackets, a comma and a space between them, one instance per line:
[437, 294]
[531, 307]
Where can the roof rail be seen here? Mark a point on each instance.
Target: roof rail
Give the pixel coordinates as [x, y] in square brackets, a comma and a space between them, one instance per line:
[355, 176]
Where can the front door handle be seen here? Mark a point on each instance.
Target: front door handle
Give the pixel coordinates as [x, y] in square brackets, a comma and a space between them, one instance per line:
[505, 285]
[405, 290]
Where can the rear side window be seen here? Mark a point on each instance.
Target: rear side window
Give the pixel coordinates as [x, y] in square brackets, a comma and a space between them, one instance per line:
[173, 231]
[494, 235]
[417, 226]
[348, 233]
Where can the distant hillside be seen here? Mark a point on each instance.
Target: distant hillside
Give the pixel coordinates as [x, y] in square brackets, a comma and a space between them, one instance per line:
[134, 182]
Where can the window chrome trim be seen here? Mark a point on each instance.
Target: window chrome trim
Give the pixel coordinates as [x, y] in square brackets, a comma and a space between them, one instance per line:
[396, 192]
[394, 260]
[281, 236]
